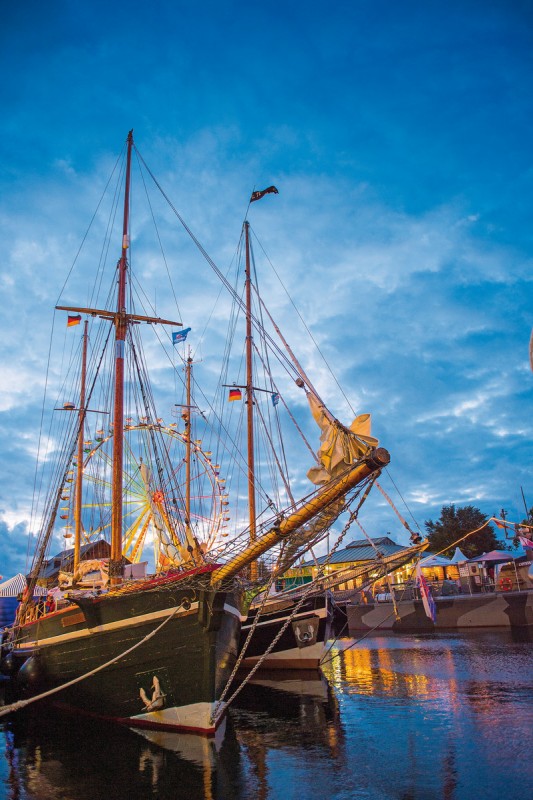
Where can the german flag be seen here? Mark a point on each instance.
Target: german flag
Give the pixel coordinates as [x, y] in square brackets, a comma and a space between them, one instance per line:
[73, 319]
[258, 195]
[234, 394]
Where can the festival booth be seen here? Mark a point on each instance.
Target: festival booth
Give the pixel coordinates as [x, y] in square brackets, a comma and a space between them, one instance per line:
[478, 574]
[441, 574]
[13, 586]
[435, 568]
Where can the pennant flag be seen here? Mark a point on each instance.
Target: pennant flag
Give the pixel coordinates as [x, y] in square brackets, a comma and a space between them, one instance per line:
[259, 195]
[234, 394]
[275, 398]
[425, 593]
[501, 523]
[525, 542]
[73, 320]
[180, 336]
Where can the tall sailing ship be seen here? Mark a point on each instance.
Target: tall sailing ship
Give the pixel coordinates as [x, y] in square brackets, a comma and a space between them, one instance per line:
[157, 651]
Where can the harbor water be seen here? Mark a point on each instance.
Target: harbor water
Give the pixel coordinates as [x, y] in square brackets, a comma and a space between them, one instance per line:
[393, 717]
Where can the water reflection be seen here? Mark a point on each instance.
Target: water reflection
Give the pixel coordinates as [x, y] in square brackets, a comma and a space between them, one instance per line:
[455, 708]
[285, 725]
[54, 756]
[51, 755]
[422, 717]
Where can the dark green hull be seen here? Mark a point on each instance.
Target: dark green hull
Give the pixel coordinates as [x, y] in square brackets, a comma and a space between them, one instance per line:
[191, 657]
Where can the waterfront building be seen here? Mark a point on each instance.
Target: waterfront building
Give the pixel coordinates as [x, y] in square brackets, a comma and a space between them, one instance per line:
[359, 553]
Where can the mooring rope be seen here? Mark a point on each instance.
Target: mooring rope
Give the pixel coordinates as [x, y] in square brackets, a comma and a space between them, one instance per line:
[16, 706]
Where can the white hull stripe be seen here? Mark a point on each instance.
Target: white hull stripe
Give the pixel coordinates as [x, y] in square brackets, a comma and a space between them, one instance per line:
[320, 613]
[111, 626]
[312, 653]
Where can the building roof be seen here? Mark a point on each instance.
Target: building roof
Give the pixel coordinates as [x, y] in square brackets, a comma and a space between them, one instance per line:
[52, 565]
[359, 550]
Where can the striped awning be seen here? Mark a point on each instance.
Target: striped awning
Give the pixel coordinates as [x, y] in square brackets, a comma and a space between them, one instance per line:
[13, 586]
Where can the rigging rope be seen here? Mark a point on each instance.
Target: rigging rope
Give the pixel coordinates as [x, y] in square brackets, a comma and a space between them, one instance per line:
[420, 562]
[379, 556]
[306, 593]
[367, 633]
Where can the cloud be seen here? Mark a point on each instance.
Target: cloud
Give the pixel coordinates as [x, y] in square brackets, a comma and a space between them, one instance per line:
[14, 548]
[420, 309]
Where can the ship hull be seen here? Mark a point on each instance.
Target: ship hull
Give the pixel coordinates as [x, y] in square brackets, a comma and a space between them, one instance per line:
[302, 644]
[181, 669]
[509, 610]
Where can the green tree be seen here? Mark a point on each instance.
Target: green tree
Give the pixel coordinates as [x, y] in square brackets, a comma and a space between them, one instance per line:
[529, 519]
[455, 523]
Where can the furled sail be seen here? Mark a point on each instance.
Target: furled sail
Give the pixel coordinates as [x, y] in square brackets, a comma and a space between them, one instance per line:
[69, 579]
[340, 446]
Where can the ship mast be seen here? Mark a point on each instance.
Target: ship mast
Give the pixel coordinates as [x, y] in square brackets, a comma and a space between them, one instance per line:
[121, 319]
[121, 326]
[188, 433]
[250, 403]
[192, 545]
[81, 435]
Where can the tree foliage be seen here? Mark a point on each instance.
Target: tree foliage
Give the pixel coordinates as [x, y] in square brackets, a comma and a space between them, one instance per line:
[529, 519]
[454, 523]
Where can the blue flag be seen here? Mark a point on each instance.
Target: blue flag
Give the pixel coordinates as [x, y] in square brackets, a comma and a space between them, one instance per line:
[275, 398]
[180, 336]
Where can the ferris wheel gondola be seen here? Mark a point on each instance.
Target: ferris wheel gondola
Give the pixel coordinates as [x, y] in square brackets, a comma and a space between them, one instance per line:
[154, 507]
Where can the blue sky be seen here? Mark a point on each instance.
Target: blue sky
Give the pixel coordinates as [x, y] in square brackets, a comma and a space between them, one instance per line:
[399, 137]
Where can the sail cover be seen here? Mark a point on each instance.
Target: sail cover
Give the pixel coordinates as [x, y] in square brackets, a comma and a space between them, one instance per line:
[340, 446]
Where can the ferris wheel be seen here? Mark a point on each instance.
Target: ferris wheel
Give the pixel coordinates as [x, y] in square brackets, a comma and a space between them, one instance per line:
[167, 504]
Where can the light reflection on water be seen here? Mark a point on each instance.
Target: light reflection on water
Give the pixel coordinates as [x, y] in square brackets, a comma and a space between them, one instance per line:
[455, 712]
[421, 717]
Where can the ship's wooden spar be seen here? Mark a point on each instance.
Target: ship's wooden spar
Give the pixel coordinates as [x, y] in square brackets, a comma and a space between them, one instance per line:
[376, 460]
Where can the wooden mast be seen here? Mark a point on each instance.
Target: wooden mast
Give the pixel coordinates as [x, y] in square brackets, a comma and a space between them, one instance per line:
[192, 546]
[121, 320]
[250, 403]
[81, 435]
[188, 432]
[121, 326]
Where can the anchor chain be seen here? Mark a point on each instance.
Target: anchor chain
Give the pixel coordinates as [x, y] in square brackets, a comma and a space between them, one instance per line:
[312, 586]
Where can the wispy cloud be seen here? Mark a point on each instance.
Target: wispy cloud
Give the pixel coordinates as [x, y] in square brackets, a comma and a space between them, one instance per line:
[400, 230]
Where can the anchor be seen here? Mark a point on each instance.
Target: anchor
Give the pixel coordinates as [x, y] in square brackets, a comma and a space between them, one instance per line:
[306, 636]
[158, 697]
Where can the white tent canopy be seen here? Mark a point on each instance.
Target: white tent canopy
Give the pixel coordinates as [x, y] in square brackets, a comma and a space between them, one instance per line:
[13, 586]
[458, 556]
[435, 561]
